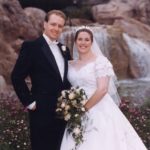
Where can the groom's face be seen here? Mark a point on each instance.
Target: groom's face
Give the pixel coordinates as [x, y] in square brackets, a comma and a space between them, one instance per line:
[54, 26]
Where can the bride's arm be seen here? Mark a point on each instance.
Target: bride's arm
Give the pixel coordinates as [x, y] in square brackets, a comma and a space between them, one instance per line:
[102, 89]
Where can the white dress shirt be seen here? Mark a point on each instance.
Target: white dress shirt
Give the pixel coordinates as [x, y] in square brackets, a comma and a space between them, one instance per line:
[58, 57]
[57, 54]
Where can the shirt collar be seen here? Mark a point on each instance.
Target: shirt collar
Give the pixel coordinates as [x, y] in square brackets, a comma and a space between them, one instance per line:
[48, 40]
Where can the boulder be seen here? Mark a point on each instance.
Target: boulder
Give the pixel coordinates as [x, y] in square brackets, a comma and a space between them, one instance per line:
[14, 23]
[7, 60]
[15, 27]
[108, 13]
[78, 21]
[3, 85]
[36, 17]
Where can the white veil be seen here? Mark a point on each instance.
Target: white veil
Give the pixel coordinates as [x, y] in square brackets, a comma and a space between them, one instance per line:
[112, 89]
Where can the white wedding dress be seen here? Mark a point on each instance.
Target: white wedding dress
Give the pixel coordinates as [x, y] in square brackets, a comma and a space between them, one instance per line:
[108, 128]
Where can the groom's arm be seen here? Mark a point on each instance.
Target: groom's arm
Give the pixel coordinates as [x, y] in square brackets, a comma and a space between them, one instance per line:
[20, 72]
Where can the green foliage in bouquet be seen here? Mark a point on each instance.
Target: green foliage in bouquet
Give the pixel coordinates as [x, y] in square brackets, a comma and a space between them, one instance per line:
[70, 107]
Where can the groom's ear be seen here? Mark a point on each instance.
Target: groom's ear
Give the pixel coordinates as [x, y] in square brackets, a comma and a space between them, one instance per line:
[44, 25]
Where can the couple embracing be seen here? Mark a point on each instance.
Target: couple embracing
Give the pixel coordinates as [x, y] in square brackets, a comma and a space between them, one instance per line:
[49, 65]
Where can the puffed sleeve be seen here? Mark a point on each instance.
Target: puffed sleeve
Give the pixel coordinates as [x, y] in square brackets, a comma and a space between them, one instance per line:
[103, 67]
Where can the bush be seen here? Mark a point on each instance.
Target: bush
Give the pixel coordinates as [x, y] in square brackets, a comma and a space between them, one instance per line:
[139, 118]
[13, 124]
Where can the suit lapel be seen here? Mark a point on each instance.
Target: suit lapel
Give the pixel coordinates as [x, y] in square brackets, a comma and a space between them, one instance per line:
[66, 69]
[49, 56]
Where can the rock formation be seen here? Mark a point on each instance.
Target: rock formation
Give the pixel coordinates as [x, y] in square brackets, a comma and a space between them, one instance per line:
[16, 25]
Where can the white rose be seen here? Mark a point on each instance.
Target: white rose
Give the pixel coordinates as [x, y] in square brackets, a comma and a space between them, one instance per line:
[83, 109]
[76, 131]
[74, 102]
[63, 47]
[63, 105]
[67, 107]
[63, 93]
[58, 109]
[84, 97]
[78, 91]
[72, 88]
[83, 102]
[71, 96]
[67, 117]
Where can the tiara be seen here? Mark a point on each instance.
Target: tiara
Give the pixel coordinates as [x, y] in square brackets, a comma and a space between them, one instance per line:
[83, 27]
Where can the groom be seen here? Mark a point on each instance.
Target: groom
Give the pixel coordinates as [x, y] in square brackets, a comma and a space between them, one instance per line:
[45, 61]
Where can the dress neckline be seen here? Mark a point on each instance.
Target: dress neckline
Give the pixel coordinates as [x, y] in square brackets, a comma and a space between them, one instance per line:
[84, 66]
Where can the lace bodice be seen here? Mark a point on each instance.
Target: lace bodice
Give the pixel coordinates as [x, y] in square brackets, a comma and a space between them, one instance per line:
[86, 76]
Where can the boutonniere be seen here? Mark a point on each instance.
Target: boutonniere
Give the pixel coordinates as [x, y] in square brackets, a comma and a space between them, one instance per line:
[63, 47]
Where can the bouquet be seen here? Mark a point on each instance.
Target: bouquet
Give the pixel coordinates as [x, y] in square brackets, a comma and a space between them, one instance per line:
[71, 108]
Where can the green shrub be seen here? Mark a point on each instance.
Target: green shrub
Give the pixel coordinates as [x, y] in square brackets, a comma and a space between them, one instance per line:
[139, 118]
[13, 124]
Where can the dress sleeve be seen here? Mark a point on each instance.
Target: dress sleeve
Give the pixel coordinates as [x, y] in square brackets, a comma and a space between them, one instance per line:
[103, 67]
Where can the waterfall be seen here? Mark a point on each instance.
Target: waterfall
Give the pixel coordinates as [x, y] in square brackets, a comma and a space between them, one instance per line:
[139, 54]
[138, 89]
[101, 36]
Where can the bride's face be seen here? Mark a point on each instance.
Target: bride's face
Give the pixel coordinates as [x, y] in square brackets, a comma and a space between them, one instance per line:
[83, 42]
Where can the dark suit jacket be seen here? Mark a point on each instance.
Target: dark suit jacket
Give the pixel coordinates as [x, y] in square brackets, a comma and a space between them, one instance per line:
[37, 61]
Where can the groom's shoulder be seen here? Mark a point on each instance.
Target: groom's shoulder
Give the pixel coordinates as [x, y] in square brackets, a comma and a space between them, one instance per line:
[32, 43]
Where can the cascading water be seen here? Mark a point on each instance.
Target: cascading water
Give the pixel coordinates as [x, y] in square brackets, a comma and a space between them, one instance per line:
[139, 54]
[138, 89]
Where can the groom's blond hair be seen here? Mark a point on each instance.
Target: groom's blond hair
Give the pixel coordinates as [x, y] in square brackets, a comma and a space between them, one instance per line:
[56, 12]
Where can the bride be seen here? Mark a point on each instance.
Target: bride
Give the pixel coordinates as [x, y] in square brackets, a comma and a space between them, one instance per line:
[107, 127]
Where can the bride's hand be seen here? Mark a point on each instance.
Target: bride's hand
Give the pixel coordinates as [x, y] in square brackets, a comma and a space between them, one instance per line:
[86, 108]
